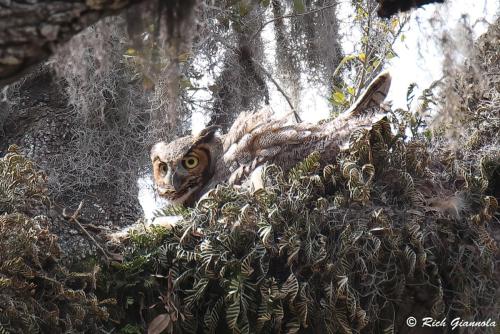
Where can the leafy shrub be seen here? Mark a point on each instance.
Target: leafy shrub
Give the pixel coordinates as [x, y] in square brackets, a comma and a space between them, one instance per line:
[37, 293]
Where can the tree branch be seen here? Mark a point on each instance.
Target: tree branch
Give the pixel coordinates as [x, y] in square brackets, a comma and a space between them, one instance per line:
[30, 31]
[74, 219]
[387, 8]
[269, 75]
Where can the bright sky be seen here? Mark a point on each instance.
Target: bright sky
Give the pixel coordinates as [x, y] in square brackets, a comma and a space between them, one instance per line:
[419, 59]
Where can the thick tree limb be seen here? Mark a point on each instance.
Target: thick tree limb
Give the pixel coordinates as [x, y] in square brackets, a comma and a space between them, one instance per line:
[387, 8]
[31, 30]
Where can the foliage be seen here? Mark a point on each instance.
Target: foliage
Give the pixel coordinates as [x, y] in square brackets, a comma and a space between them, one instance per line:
[21, 185]
[37, 293]
[357, 245]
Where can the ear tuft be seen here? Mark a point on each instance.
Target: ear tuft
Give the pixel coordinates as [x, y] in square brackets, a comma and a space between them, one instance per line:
[206, 135]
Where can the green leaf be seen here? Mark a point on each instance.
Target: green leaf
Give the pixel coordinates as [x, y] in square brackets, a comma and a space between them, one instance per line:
[394, 23]
[361, 13]
[212, 316]
[298, 6]
[243, 9]
[265, 233]
[428, 134]
[348, 58]
[291, 287]
[338, 98]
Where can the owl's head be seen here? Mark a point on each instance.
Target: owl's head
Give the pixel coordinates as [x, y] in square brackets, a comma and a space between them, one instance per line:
[184, 166]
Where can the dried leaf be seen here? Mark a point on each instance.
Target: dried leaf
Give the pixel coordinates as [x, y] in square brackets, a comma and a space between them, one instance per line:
[159, 324]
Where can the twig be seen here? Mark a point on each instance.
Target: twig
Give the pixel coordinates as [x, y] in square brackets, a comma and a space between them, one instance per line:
[269, 75]
[366, 60]
[290, 16]
[73, 218]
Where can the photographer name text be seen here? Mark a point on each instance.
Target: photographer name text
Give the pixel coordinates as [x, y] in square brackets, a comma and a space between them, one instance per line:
[455, 323]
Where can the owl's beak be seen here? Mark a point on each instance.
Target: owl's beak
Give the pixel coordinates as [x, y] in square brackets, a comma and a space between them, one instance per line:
[176, 182]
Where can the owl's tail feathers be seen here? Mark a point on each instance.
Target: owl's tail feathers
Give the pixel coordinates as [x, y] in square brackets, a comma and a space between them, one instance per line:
[366, 113]
[371, 100]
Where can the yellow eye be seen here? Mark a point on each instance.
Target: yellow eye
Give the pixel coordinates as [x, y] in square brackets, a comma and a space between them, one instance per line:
[190, 162]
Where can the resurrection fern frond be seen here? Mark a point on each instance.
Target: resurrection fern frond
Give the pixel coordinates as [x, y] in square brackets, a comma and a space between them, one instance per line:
[32, 276]
[307, 167]
[21, 184]
[3, 330]
[173, 210]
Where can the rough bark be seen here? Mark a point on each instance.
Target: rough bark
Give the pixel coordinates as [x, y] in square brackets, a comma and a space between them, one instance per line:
[30, 30]
[38, 119]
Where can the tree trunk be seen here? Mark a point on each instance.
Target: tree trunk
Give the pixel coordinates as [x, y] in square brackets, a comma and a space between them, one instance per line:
[39, 120]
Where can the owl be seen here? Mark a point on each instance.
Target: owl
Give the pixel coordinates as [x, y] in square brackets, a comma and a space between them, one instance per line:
[189, 167]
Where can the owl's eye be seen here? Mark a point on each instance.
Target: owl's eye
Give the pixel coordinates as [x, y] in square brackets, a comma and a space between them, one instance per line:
[164, 168]
[190, 162]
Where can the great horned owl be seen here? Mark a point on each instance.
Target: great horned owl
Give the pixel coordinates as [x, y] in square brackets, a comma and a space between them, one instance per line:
[188, 167]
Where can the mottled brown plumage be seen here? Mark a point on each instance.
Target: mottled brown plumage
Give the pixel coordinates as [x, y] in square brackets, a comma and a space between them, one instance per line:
[188, 167]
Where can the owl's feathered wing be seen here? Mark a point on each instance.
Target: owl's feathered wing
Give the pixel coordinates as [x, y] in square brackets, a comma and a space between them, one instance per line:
[257, 138]
[252, 122]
